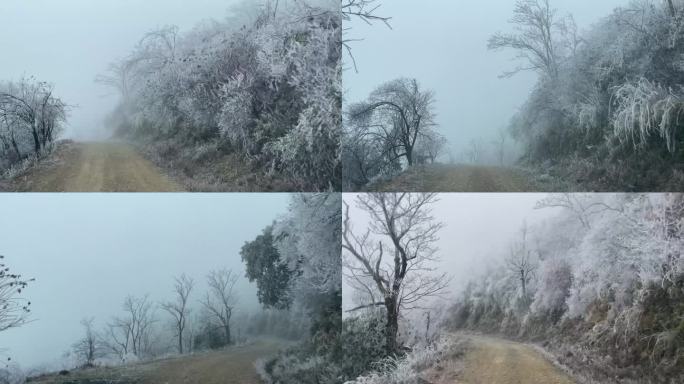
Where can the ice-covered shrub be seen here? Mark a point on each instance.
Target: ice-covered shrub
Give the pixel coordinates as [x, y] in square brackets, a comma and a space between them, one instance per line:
[644, 108]
[409, 369]
[271, 89]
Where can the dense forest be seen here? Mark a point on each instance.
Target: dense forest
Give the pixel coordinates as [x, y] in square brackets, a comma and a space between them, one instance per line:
[262, 89]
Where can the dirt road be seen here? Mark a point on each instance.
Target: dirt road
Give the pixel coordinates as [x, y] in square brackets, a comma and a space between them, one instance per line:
[232, 366]
[235, 366]
[496, 361]
[96, 167]
[458, 178]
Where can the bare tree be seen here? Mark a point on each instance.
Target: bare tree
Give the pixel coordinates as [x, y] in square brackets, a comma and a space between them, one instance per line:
[539, 37]
[156, 50]
[88, 348]
[475, 151]
[500, 143]
[132, 332]
[365, 10]
[405, 278]
[582, 206]
[118, 338]
[14, 310]
[429, 149]
[120, 76]
[397, 115]
[178, 308]
[520, 262]
[221, 299]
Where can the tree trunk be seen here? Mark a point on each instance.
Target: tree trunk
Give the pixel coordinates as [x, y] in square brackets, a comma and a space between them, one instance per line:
[392, 326]
[671, 6]
[180, 343]
[227, 329]
[427, 329]
[409, 156]
[522, 282]
[36, 140]
[16, 148]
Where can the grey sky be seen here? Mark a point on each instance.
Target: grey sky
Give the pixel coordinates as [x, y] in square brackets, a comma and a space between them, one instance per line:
[88, 251]
[443, 43]
[70, 42]
[477, 230]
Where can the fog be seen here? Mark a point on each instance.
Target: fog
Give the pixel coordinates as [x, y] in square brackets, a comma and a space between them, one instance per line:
[69, 42]
[477, 232]
[443, 44]
[88, 251]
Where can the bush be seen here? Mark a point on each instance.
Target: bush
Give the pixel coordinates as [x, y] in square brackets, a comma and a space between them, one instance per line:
[363, 344]
[410, 369]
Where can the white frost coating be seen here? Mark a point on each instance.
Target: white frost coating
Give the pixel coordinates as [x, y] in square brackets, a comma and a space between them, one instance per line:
[309, 242]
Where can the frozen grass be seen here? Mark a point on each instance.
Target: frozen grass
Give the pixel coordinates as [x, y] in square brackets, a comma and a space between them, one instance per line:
[645, 108]
[412, 368]
[210, 167]
[23, 166]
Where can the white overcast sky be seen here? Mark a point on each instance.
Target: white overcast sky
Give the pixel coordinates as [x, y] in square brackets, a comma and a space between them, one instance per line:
[477, 231]
[69, 42]
[443, 44]
[88, 251]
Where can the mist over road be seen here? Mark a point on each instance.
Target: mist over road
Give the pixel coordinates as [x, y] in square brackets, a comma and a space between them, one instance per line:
[234, 365]
[458, 178]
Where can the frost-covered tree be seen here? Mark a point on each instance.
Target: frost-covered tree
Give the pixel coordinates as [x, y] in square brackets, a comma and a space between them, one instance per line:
[392, 129]
[393, 256]
[399, 113]
[555, 282]
[540, 40]
[309, 241]
[264, 85]
[303, 247]
[31, 118]
[297, 260]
